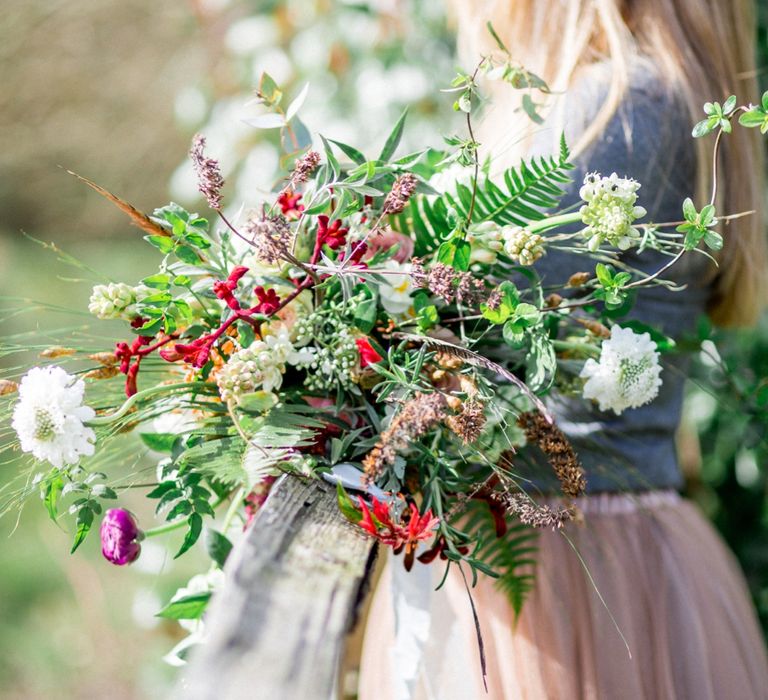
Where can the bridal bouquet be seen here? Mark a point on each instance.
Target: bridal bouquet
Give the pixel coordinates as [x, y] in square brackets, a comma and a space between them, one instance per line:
[378, 323]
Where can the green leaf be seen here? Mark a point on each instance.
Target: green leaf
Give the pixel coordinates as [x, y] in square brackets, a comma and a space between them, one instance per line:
[393, 141]
[157, 281]
[352, 153]
[702, 129]
[496, 38]
[180, 509]
[753, 118]
[713, 240]
[455, 253]
[190, 607]
[51, 495]
[604, 275]
[159, 442]
[346, 506]
[513, 333]
[187, 254]
[161, 489]
[365, 314]
[195, 522]
[257, 401]
[269, 91]
[730, 105]
[689, 210]
[84, 522]
[163, 243]
[217, 546]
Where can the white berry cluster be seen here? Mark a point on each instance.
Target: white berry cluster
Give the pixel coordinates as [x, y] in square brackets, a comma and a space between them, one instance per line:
[259, 366]
[610, 211]
[114, 301]
[333, 365]
[523, 246]
[627, 374]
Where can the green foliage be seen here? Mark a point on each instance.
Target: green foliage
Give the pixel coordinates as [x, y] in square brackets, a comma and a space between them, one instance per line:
[511, 557]
[698, 226]
[612, 286]
[718, 116]
[523, 195]
[190, 607]
[757, 116]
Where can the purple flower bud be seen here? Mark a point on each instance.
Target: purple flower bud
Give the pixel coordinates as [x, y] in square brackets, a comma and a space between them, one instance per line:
[120, 537]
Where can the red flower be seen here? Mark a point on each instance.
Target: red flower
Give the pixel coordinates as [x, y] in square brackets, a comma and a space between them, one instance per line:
[334, 236]
[289, 204]
[223, 289]
[406, 534]
[368, 356]
[196, 353]
[269, 301]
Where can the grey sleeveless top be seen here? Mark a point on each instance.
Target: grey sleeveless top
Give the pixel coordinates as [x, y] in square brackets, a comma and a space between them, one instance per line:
[647, 139]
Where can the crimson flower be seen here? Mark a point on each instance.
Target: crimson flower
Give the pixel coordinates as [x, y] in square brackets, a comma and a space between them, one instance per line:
[223, 289]
[368, 356]
[406, 534]
[196, 353]
[333, 235]
[269, 301]
[289, 204]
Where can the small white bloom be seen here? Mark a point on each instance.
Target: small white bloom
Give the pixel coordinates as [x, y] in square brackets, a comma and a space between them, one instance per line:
[49, 416]
[610, 211]
[396, 290]
[114, 301]
[627, 375]
[259, 366]
[523, 246]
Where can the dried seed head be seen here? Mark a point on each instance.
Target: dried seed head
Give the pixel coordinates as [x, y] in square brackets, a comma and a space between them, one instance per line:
[558, 450]
[57, 351]
[102, 373]
[469, 423]
[209, 178]
[305, 166]
[529, 513]
[416, 417]
[271, 237]
[8, 387]
[553, 301]
[104, 358]
[400, 193]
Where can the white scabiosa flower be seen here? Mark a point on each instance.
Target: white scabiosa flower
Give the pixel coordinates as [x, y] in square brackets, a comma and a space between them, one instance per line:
[395, 290]
[113, 301]
[523, 246]
[627, 374]
[49, 416]
[610, 211]
[446, 180]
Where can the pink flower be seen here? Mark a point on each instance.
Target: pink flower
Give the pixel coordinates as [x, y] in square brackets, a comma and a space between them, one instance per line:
[387, 239]
[120, 537]
[368, 356]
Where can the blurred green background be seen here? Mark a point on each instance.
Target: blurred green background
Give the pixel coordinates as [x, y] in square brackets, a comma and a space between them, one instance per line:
[114, 91]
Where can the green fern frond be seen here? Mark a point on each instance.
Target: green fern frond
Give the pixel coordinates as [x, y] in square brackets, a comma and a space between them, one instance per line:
[524, 193]
[512, 556]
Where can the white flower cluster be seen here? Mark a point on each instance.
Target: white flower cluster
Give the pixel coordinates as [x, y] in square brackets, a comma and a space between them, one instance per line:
[610, 211]
[49, 416]
[446, 180]
[627, 375]
[333, 365]
[259, 366]
[114, 301]
[523, 246]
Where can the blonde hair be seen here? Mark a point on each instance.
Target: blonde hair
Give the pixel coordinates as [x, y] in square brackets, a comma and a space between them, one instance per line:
[704, 49]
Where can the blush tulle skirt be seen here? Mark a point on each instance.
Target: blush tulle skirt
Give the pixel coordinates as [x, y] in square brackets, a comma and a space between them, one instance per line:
[662, 613]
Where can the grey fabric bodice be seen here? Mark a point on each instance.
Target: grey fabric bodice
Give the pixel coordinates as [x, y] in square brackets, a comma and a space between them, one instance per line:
[649, 140]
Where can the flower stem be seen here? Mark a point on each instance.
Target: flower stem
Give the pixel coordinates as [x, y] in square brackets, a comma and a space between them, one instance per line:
[138, 396]
[551, 222]
[176, 524]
